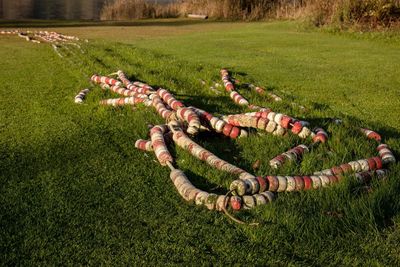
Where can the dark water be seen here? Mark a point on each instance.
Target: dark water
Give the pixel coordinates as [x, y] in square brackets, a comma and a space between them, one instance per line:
[50, 9]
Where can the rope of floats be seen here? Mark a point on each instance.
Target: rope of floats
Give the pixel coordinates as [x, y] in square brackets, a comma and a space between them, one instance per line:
[247, 190]
[55, 39]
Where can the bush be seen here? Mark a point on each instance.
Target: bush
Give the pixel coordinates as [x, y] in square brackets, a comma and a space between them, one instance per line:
[369, 13]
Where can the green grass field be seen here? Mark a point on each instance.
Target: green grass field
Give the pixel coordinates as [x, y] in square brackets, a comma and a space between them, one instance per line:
[74, 190]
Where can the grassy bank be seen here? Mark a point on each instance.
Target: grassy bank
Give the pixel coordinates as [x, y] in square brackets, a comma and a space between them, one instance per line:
[75, 191]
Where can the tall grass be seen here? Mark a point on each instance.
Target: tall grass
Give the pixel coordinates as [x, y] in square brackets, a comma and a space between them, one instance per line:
[137, 9]
[371, 13]
[228, 9]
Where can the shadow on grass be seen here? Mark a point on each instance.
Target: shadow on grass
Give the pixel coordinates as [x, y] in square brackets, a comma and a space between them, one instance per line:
[203, 184]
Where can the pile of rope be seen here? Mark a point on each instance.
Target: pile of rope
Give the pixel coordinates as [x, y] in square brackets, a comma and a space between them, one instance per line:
[56, 39]
[247, 190]
[41, 36]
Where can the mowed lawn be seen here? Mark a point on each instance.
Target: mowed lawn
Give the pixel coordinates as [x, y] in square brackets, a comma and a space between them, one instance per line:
[74, 190]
